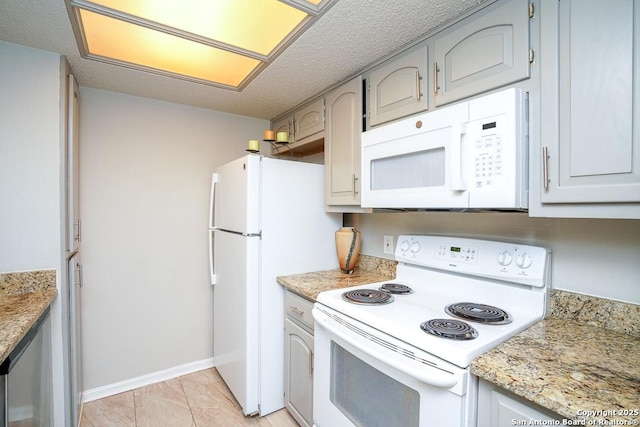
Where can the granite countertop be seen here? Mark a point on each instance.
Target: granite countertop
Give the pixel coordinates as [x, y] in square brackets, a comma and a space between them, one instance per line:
[368, 270]
[582, 362]
[24, 297]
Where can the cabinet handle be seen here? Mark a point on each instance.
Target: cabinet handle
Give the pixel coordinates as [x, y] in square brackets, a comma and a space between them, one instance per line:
[418, 86]
[296, 311]
[79, 278]
[435, 78]
[76, 231]
[354, 190]
[545, 167]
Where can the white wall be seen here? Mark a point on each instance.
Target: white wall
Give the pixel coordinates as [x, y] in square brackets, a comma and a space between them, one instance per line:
[145, 173]
[29, 158]
[591, 256]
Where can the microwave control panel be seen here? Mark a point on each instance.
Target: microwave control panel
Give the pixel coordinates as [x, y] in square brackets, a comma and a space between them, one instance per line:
[488, 154]
[497, 137]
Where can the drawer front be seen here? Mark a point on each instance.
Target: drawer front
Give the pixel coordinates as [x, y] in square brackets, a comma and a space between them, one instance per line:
[298, 308]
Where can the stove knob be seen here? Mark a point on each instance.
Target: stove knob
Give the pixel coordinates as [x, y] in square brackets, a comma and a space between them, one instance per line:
[524, 260]
[404, 246]
[415, 247]
[505, 258]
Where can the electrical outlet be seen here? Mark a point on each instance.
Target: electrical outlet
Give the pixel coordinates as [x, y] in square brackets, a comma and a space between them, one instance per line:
[388, 244]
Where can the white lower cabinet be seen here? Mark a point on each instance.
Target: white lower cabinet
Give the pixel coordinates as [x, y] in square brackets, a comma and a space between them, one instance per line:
[73, 302]
[298, 359]
[500, 408]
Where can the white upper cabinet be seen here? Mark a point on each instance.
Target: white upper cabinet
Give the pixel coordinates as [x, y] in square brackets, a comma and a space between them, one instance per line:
[305, 128]
[397, 87]
[309, 120]
[589, 157]
[284, 125]
[72, 191]
[342, 146]
[487, 50]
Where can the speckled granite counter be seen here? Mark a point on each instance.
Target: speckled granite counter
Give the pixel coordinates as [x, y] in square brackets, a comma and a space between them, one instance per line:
[585, 356]
[369, 270]
[24, 297]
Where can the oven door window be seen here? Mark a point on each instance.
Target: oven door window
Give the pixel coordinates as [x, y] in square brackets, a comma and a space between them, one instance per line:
[369, 397]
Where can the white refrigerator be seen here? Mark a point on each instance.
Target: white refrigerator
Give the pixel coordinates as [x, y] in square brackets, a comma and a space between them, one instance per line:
[267, 219]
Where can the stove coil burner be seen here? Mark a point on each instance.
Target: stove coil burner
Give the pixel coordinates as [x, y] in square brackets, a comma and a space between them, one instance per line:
[367, 296]
[447, 328]
[479, 313]
[396, 288]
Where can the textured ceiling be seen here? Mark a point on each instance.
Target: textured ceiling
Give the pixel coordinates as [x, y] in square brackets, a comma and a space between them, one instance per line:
[347, 38]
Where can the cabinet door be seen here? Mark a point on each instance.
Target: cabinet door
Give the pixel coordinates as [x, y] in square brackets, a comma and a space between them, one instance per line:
[397, 87]
[488, 50]
[498, 408]
[342, 144]
[309, 120]
[298, 373]
[282, 125]
[74, 295]
[73, 166]
[590, 132]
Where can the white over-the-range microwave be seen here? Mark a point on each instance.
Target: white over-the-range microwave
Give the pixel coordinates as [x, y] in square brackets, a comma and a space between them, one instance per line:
[471, 155]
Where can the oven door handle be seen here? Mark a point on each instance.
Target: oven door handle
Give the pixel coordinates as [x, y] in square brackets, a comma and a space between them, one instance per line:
[430, 375]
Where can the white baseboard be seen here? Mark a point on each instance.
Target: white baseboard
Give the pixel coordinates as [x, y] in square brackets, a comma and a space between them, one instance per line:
[21, 413]
[154, 377]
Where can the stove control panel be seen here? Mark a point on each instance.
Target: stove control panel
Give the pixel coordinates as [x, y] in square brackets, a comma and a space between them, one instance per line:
[511, 262]
[466, 254]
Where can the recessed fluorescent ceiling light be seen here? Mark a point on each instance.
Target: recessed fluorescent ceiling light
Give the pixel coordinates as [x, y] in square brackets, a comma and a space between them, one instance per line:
[223, 43]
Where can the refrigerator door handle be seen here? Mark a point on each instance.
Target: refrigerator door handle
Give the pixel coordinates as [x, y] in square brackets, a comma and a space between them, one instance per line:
[212, 274]
[212, 240]
[239, 233]
[212, 198]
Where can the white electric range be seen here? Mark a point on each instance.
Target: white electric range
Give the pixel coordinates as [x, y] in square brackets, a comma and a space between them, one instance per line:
[398, 352]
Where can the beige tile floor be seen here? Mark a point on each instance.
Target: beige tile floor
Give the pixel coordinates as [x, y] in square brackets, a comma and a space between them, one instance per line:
[200, 399]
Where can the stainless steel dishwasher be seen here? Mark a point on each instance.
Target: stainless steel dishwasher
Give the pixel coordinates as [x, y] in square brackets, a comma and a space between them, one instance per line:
[25, 379]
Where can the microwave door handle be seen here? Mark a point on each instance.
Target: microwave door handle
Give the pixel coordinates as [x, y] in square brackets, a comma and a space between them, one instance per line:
[458, 135]
[212, 198]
